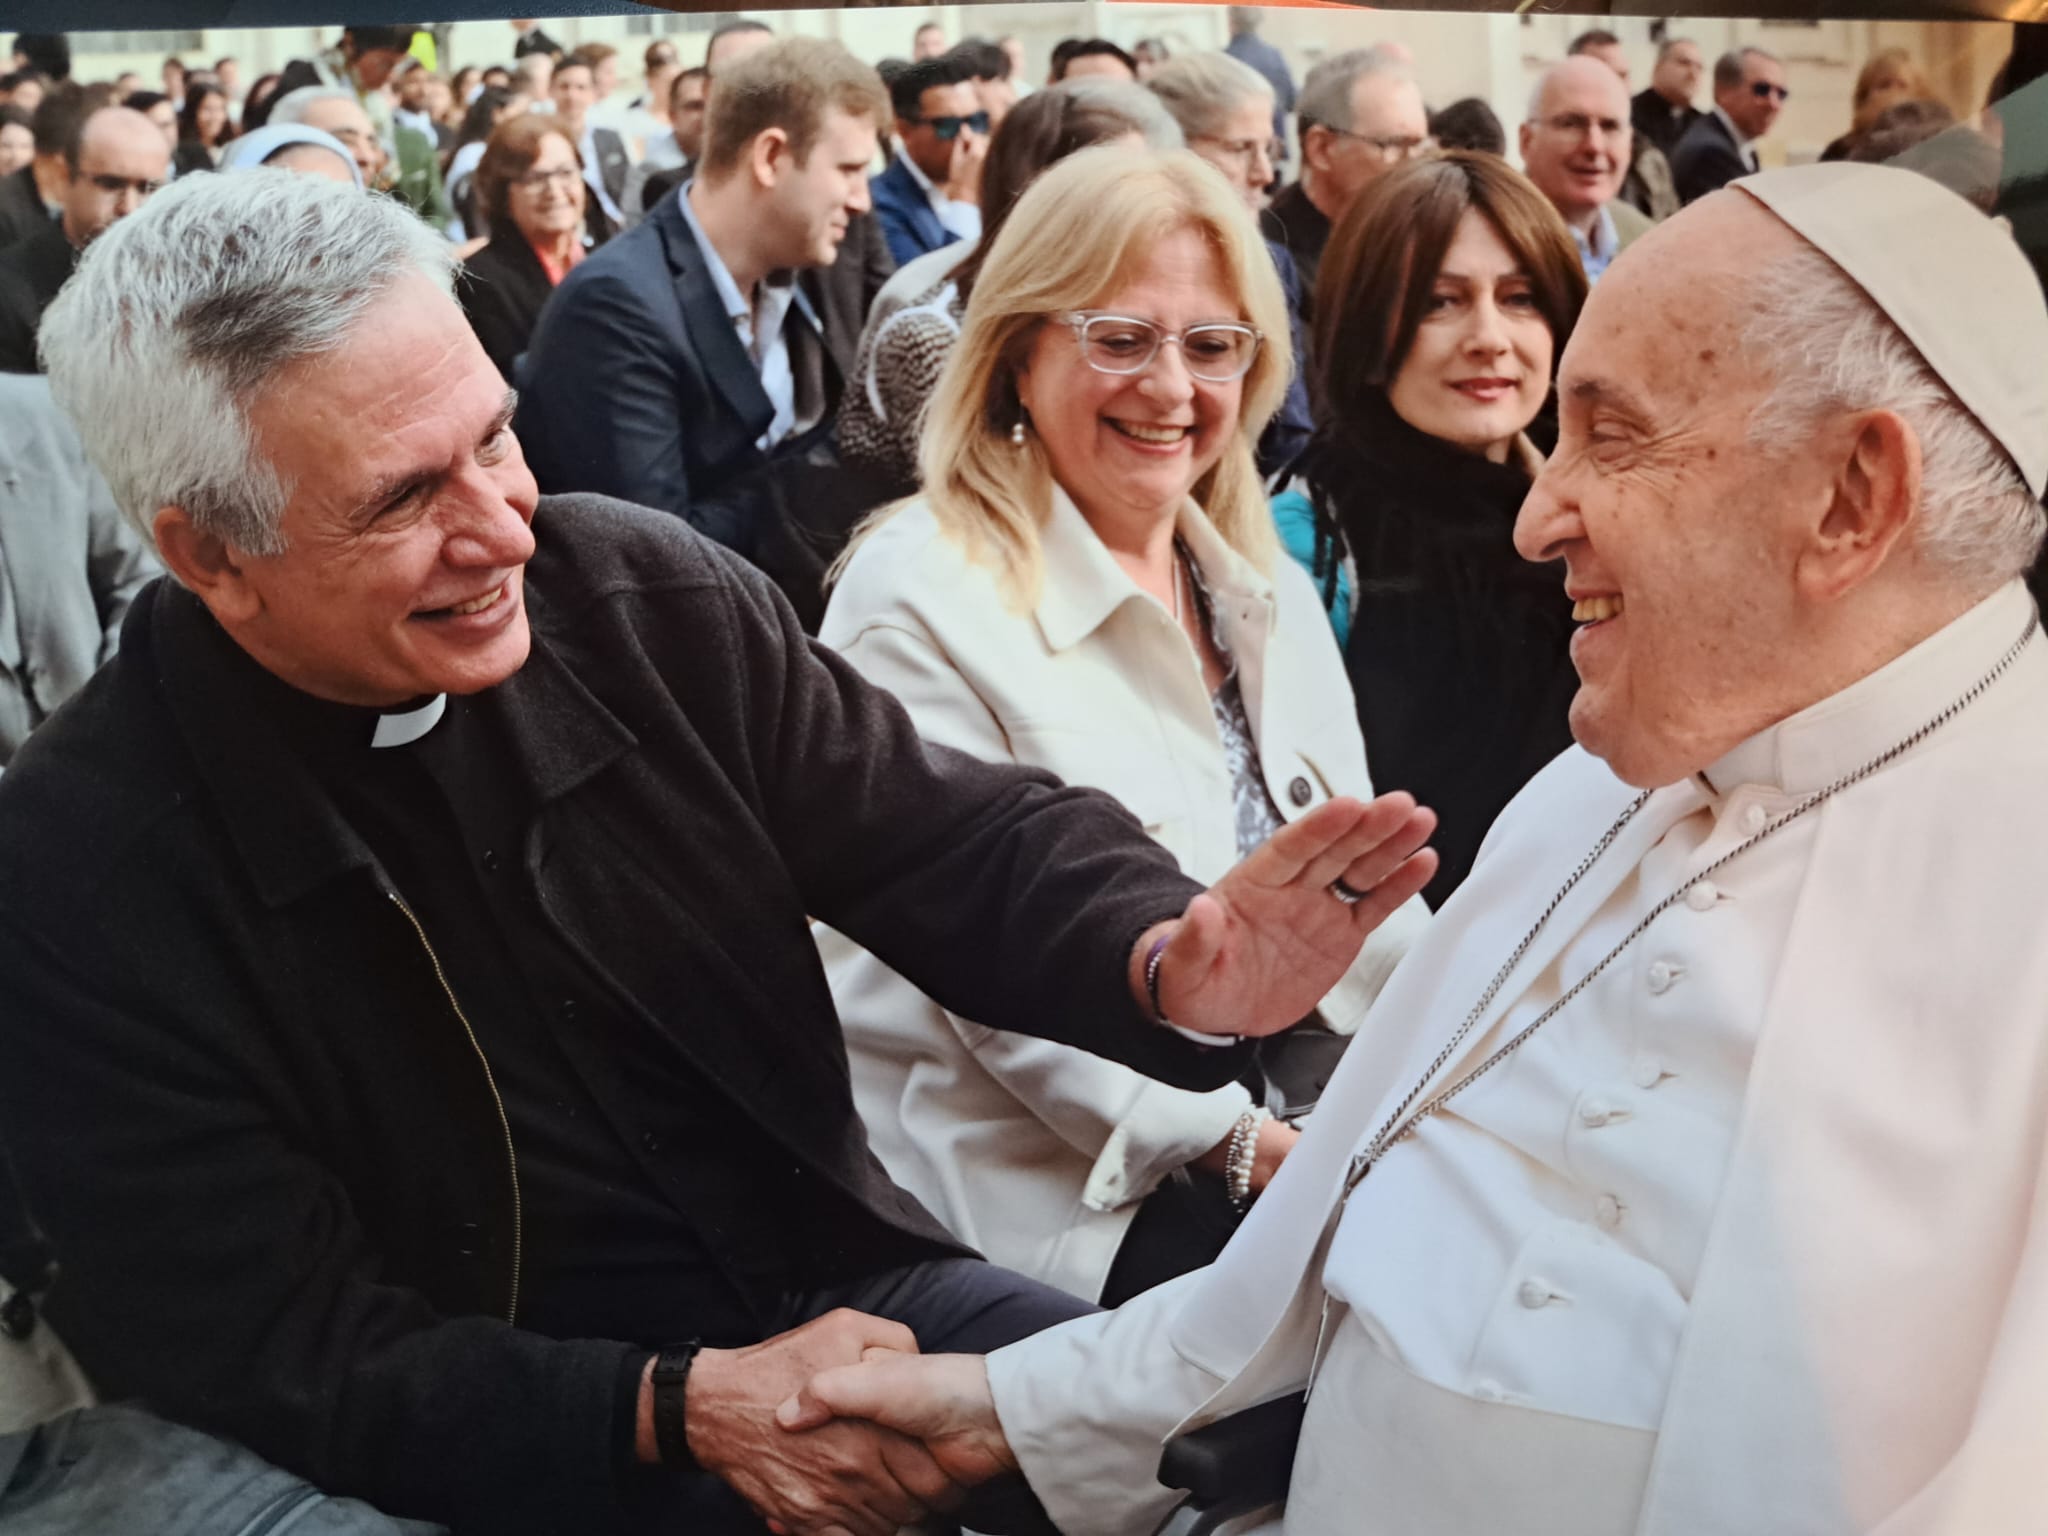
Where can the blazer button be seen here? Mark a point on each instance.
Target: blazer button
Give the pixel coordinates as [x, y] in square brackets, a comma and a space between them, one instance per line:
[1300, 792]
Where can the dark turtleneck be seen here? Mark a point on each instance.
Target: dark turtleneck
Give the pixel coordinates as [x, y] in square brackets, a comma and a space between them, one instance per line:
[1460, 650]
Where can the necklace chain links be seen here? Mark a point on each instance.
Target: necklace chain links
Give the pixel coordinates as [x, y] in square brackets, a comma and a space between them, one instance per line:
[1400, 1125]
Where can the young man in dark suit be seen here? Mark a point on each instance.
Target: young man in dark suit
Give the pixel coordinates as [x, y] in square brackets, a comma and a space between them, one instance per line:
[681, 366]
[605, 161]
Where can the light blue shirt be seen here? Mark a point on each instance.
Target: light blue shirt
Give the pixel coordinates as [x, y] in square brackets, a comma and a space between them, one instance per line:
[1597, 254]
[761, 326]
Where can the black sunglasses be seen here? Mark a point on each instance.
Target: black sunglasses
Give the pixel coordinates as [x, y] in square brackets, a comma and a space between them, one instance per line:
[1763, 90]
[948, 128]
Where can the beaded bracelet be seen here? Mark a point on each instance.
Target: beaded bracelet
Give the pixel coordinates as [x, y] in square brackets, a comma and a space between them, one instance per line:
[1152, 958]
[1243, 1153]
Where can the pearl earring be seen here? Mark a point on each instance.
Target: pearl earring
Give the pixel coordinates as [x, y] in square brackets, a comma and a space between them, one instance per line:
[1017, 433]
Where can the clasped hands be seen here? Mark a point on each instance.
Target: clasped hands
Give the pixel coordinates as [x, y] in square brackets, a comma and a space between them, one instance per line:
[868, 1435]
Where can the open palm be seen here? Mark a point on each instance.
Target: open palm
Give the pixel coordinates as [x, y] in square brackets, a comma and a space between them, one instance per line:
[1260, 948]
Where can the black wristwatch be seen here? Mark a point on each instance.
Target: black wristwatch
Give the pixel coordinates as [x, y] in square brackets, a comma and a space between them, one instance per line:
[671, 1379]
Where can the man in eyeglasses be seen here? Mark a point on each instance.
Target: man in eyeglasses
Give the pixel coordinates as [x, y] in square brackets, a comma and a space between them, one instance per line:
[1749, 93]
[925, 199]
[1361, 114]
[1575, 148]
[114, 159]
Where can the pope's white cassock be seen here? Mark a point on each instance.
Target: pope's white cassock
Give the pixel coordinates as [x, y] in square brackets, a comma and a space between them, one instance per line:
[1748, 1238]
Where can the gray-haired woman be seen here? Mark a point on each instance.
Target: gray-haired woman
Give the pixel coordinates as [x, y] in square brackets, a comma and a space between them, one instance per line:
[1225, 111]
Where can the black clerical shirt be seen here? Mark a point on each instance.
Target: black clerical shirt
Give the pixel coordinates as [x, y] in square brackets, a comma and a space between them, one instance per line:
[624, 1235]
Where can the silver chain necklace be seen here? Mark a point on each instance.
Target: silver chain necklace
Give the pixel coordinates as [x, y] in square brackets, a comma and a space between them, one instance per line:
[1397, 1130]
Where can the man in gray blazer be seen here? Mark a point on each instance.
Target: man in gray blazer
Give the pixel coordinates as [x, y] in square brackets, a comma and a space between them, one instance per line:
[69, 563]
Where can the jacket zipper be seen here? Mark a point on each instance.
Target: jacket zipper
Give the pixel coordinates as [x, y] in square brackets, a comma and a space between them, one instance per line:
[490, 1079]
[283, 1511]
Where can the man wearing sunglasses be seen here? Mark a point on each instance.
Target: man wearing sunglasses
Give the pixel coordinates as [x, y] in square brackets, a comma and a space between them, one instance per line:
[926, 198]
[114, 159]
[1749, 93]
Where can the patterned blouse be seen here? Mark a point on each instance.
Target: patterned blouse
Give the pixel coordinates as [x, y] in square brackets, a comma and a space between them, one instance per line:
[1258, 818]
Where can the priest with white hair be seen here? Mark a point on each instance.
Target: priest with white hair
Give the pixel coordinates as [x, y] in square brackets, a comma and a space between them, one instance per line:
[1687, 1179]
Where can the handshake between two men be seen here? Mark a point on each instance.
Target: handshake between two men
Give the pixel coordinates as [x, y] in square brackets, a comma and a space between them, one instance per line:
[839, 1427]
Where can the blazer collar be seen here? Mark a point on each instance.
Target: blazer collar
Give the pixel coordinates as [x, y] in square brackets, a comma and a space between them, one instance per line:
[1084, 585]
[717, 344]
[287, 832]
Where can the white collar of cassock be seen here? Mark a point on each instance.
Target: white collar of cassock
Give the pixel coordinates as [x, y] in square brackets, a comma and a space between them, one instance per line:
[1841, 733]
[403, 730]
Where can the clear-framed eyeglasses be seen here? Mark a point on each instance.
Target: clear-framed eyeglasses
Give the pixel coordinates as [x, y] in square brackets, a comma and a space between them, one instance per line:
[1215, 352]
[1391, 148]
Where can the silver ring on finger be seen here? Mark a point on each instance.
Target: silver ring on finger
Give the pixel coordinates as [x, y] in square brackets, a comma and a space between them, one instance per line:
[1349, 895]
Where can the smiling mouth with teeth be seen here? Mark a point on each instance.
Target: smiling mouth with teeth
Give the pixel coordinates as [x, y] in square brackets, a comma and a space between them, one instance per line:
[1593, 610]
[474, 605]
[1145, 434]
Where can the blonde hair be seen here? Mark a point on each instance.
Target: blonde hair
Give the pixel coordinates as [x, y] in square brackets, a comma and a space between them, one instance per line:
[1059, 252]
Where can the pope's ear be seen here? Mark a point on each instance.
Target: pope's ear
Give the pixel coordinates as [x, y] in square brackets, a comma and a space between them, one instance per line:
[214, 569]
[1873, 506]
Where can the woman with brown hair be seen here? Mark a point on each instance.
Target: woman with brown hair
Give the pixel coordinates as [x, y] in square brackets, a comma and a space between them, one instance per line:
[1444, 297]
[1889, 78]
[530, 191]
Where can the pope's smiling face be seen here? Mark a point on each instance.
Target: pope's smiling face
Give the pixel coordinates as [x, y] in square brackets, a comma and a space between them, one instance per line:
[1681, 540]
[407, 526]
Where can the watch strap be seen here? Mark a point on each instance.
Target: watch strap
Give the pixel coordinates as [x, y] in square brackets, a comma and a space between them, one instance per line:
[671, 1382]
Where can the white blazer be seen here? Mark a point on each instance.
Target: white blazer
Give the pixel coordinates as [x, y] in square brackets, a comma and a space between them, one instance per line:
[1036, 1153]
[1867, 1344]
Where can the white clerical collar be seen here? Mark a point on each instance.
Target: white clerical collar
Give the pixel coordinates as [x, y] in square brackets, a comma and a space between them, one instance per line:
[403, 730]
[1841, 733]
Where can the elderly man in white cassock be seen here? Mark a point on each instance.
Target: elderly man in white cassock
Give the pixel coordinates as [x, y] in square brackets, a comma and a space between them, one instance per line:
[1688, 1177]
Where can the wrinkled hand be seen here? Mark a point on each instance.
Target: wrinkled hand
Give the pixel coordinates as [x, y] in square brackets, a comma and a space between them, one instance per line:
[1260, 948]
[846, 1477]
[942, 1400]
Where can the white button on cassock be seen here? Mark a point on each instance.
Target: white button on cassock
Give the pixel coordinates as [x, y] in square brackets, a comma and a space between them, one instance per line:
[1607, 1212]
[1754, 818]
[1701, 895]
[1648, 1073]
[1661, 976]
[1533, 1294]
[1594, 1113]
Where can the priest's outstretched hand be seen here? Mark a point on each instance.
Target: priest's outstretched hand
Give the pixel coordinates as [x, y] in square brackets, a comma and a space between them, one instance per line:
[1261, 947]
[942, 1400]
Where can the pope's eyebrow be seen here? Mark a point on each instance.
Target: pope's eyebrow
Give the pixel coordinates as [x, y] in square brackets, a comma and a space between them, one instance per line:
[1596, 391]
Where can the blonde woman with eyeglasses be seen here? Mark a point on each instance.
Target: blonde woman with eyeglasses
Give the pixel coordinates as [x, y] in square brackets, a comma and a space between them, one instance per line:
[1091, 584]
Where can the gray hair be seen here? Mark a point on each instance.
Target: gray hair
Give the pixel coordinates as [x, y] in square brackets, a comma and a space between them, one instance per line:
[1326, 93]
[181, 314]
[1731, 66]
[292, 106]
[1202, 89]
[1834, 350]
[1664, 48]
[1142, 112]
